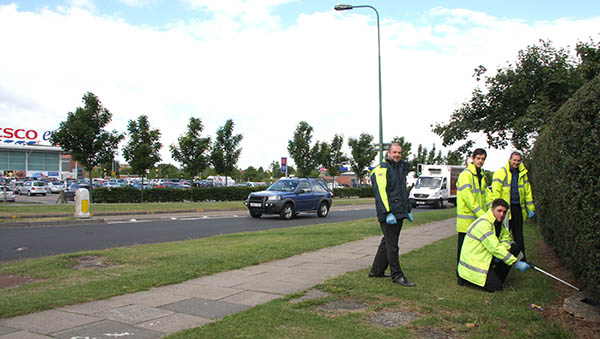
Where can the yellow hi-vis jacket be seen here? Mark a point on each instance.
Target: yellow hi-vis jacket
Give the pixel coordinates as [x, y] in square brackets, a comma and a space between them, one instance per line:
[501, 188]
[471, 199]
[480, 246]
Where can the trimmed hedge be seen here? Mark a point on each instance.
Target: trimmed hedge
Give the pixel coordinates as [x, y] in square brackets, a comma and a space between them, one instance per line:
[353, 192]
[129, 194]
[566, 176]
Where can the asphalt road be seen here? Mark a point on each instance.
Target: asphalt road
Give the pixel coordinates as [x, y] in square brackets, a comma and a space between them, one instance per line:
[38, 241]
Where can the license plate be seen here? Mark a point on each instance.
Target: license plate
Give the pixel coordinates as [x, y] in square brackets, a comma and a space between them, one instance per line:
[255, 204]
[420, 202]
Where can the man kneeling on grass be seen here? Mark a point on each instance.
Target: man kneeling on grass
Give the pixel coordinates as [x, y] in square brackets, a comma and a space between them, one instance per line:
[487, 253]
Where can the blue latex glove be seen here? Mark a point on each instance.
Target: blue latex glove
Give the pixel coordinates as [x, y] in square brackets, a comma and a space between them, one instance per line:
[391, 219]
[530, 214]
[410, 217]
[496, 260]
[522, 266]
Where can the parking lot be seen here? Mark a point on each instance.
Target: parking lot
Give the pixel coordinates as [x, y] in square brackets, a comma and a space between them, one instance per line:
[50, 198]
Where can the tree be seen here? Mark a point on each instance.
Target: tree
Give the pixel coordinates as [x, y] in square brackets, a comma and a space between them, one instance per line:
[300, 150]
[142, 150]
[519, 99]
[168, 171]
[363, 153]
[84, 136]
[225, 152]
[192, 150]
[331, 155]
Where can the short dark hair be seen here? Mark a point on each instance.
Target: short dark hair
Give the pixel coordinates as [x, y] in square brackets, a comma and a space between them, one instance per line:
[516, 153]
[499, 202]
[479, 151]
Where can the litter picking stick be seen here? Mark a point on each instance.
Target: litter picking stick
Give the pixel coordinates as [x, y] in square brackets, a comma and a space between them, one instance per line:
[550, 275]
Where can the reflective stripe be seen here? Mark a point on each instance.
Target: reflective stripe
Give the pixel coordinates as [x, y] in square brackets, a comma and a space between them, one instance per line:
[475, 224]
[526, 181]
[477, 209]
[529, 203]
[507, 257]
[505, 183]
[505, 241]
[473, 268]
[472, 236]
[464, 216]
[463, 187]
[485, 236]
[498, 180]
[476, 190]
[488, 205]
[521, 186]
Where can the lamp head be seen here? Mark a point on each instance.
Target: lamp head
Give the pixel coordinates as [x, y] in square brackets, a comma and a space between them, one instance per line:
[342, 7]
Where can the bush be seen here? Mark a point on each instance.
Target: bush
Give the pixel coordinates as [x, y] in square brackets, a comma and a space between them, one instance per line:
[566, 172]
[353, 192]
[129, 194]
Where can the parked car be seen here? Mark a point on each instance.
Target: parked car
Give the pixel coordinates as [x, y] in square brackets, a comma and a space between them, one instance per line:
[10, 195]
[33, 188]
[70, 193]
[288, 197]
[110, 184]
[55, 187]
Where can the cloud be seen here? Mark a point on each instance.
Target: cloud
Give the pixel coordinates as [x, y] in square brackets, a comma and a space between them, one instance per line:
[242, 64]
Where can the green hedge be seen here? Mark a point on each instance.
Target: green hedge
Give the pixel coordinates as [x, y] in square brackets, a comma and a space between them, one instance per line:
[353, 192]
[566, 176]
[129, 194]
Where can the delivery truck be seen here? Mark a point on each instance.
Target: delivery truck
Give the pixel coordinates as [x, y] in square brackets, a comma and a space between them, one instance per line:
[435, 186]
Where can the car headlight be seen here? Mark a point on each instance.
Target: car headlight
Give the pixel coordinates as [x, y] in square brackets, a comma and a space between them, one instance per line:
[274, 197]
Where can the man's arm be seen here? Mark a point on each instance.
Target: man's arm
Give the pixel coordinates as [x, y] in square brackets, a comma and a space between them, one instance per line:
[528, 194]
[464, 192]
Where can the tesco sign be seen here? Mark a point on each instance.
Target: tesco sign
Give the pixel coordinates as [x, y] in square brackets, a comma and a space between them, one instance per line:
[23, 136]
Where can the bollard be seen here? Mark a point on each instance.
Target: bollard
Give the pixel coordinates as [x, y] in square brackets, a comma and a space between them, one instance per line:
[82, 203]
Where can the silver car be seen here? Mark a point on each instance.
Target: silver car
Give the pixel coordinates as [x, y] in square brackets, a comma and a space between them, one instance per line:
[33, 187]
[10, 195]
[55, 187]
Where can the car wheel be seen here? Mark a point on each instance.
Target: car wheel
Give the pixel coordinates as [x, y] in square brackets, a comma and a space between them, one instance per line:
[255, 215]
[44, 194]
[29, 193]
[440, 203]
[323, 210]
[287, 212]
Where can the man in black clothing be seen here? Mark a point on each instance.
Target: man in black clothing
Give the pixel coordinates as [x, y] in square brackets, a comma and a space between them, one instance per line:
[391, 202]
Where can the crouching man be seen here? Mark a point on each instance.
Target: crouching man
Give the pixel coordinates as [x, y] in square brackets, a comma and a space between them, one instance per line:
[488, 252]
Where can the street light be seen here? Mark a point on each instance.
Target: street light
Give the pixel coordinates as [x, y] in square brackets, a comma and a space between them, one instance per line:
[349, 7]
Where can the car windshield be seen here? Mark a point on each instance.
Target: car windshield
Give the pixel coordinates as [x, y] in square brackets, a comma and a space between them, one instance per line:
[428, 182]
[39, 183]
[284, 186]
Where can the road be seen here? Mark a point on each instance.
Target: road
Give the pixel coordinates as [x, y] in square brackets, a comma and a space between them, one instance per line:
[38, 241]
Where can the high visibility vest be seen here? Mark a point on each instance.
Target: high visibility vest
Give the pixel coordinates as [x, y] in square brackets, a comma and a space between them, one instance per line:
[390, 190]
[501, 188]
[480, 246]
[471, 199]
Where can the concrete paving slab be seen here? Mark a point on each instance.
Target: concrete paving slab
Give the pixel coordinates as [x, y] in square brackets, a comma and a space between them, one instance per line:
[108, 329]
[252, 298]
[272, 286]
[229, 279]
[5, 330]
[133, 314]
[153, 298]
[200, 291]
[92, 307]
[23, 335]
[48, 321]
[174, 323]
[208, 309]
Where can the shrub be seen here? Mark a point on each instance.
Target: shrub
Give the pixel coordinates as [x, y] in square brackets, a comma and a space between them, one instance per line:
[353, 192]
[566, 172]
[129, 194]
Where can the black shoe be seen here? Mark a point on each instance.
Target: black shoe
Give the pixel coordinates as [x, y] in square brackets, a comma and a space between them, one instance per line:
[461, 282]
[385, 275]
[403, 281]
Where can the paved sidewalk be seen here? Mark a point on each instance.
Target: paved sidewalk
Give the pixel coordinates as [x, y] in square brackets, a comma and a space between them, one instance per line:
[168, 309]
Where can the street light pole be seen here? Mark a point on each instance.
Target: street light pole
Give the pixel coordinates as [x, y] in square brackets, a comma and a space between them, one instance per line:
[349, 7]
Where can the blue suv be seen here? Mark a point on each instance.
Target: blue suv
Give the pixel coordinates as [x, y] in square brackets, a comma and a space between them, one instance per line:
[290, 196]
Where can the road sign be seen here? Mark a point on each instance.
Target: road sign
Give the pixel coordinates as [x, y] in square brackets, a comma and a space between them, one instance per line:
[284, 165]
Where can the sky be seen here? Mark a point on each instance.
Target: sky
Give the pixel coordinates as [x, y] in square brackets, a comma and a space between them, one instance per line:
[268, 64]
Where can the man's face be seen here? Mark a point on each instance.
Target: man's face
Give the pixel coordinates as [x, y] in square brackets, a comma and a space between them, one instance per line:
[499, 212]
[478, 160]
[515, 161]
[395, 153]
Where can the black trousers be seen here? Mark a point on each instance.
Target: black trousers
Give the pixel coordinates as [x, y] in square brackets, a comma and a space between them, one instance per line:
[497, 272]
[461, 239]
[516, 226]
[387, 252]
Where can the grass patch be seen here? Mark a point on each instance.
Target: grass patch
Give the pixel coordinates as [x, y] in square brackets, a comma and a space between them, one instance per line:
[442, 307]
[17, 210]
[138, 268]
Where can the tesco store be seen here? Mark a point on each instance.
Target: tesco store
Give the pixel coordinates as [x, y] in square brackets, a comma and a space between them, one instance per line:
[27, 153]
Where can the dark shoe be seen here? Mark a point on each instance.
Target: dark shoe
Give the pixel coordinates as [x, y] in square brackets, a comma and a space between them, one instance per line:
[461, 282]
[385, 275]
[403, 281]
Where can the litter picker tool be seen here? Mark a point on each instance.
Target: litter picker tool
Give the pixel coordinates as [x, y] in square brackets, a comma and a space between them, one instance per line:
[551, 276]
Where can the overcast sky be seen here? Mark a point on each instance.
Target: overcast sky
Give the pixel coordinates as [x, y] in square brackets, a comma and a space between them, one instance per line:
[268, 64]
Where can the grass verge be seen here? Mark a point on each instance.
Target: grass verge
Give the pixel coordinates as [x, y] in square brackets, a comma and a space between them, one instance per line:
[138, 268]
[441, 308]
[17, 211]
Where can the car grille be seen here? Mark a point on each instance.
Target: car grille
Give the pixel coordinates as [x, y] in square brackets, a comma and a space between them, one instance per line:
[257, 199]
[420, 195]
